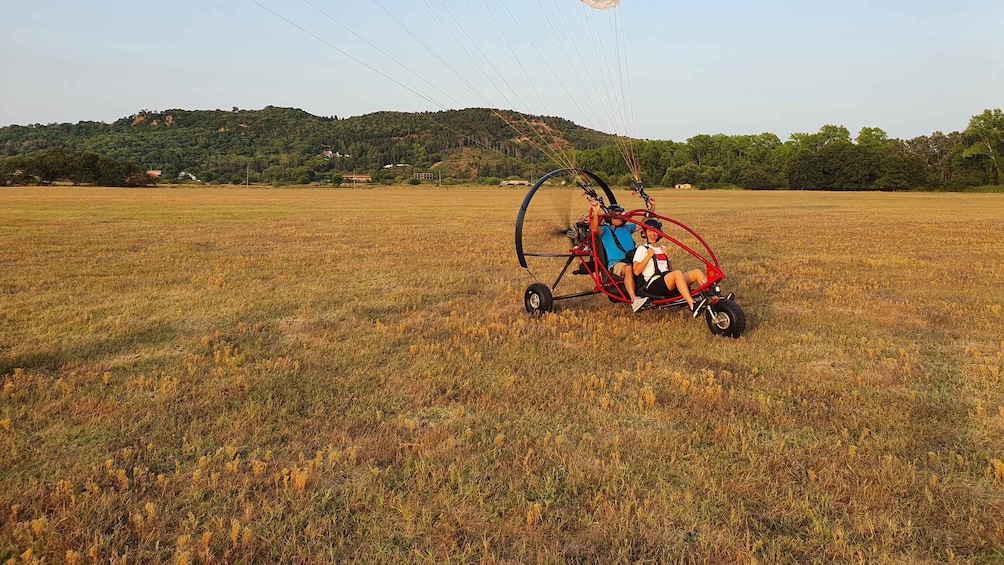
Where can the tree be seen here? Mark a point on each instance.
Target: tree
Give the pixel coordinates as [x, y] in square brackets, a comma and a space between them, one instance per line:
[937, 151]
[985, 140]
[804, 171]
[302, 175]
[700, 147]
[837, 166]
[847, 166]
[755, 178]
[827, 135]
[273, 175]
[685, 174]
[872, 137]
[11, 169]
[899, 169]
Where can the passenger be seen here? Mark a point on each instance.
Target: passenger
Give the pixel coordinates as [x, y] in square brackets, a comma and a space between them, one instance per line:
[618, 243]
[656, 270]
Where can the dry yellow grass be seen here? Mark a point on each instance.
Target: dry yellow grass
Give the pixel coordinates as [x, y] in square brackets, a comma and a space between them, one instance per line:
[305, 376]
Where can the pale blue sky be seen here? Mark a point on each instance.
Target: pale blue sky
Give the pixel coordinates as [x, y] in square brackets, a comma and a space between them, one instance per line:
[695, 66]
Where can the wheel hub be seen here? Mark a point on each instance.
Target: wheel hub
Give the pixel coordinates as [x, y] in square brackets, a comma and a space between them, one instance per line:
[721, 320]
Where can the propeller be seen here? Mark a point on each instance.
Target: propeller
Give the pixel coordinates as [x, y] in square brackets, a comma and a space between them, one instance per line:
[552, 215]
[564, 224]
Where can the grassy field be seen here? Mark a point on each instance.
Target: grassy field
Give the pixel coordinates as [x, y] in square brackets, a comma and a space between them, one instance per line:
[310, 376]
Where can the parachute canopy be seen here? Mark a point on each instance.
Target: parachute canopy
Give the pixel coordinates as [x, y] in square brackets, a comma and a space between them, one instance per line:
[602, 4]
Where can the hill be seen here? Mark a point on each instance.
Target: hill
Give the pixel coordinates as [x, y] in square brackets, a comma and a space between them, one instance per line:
[286, 144]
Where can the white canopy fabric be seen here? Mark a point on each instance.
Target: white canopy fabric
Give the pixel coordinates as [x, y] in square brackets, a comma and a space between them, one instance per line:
[602, 4]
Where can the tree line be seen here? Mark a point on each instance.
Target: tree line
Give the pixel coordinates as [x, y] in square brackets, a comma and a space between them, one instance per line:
[78, 167]
[826, 160]
[285, 145]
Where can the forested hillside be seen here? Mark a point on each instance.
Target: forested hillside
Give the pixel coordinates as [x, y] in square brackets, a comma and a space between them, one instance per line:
[285, 145]
[289, 145]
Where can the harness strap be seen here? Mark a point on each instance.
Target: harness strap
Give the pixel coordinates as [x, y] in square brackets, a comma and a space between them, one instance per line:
[655, 263]
[613, 235]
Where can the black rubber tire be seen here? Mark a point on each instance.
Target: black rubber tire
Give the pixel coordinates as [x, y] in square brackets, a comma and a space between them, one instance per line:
[728, 319]
[537, 299]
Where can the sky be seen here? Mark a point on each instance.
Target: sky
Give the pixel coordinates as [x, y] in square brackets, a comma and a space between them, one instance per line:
[656, 69]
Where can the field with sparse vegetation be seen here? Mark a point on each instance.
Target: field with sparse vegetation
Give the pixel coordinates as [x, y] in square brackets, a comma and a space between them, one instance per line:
[323, 376]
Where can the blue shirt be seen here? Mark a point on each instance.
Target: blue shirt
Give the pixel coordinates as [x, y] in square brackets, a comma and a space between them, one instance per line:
[624, 237]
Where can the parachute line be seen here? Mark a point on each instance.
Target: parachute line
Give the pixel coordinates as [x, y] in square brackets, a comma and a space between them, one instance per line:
[346, 53]
[546, 149]
[459, 76]
[609, 91]
[569, 159]
[382, 52]
[605, 92]
[385, 75]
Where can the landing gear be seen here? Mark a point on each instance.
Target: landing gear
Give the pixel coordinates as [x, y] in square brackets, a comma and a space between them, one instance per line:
[538, 299]
[725, 318]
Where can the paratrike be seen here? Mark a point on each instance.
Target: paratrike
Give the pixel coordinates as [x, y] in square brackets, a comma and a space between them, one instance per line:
[545, 234]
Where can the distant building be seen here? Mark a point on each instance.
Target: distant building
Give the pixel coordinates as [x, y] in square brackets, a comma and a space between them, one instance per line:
[155, 173]
[425, 176]
[515, 183]
[183, 175]
[357, 178]
[685, 186]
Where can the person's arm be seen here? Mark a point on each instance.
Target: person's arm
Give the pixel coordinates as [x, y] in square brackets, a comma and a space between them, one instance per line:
[640, 264]
[594, 217]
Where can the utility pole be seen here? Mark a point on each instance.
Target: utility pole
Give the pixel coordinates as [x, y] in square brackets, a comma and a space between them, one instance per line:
[247, 178]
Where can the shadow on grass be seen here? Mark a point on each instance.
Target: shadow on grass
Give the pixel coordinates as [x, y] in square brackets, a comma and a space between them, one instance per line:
[92, 351]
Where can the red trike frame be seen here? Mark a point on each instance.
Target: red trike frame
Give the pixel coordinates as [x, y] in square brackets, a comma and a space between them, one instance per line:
[604, 282]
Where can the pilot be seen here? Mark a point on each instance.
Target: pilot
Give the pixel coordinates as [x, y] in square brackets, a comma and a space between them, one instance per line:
[618, 243]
